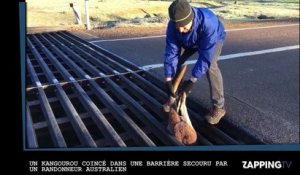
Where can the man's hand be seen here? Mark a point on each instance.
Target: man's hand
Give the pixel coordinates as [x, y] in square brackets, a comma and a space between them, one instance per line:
[186, 87]
[169, 86]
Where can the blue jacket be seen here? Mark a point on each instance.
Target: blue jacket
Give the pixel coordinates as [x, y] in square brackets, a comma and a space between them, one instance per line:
[206, 31]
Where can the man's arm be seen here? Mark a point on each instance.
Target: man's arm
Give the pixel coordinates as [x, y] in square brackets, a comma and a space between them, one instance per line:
[172, 52]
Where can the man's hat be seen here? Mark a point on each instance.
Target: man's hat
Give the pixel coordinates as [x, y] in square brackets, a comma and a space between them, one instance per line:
[180, 13]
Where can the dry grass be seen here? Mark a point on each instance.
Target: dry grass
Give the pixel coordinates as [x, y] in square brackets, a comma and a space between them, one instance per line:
[58, 12]
[251, 10]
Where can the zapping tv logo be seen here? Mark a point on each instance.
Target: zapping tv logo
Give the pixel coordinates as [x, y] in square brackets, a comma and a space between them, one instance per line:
[266, 164]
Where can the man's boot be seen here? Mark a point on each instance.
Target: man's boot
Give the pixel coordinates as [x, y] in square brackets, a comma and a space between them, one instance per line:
[215, 115]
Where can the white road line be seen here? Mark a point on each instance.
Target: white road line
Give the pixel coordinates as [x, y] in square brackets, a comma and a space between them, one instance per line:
[231, 56]
[265, 27]
[123, 39]
[161, 36]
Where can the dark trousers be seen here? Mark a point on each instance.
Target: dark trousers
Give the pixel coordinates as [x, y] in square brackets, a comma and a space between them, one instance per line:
[213, 74]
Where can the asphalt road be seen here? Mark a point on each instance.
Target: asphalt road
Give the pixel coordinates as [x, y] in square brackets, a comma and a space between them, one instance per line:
[261, 91]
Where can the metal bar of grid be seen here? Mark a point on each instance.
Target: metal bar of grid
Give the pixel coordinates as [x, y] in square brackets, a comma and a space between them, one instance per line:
[117, 97]
[110, 55]
[80, 129]
[31, 136]
[127, 99]
[111, 61]
[120, 115]
[65, 119]
[96, 114]
[55, 132]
